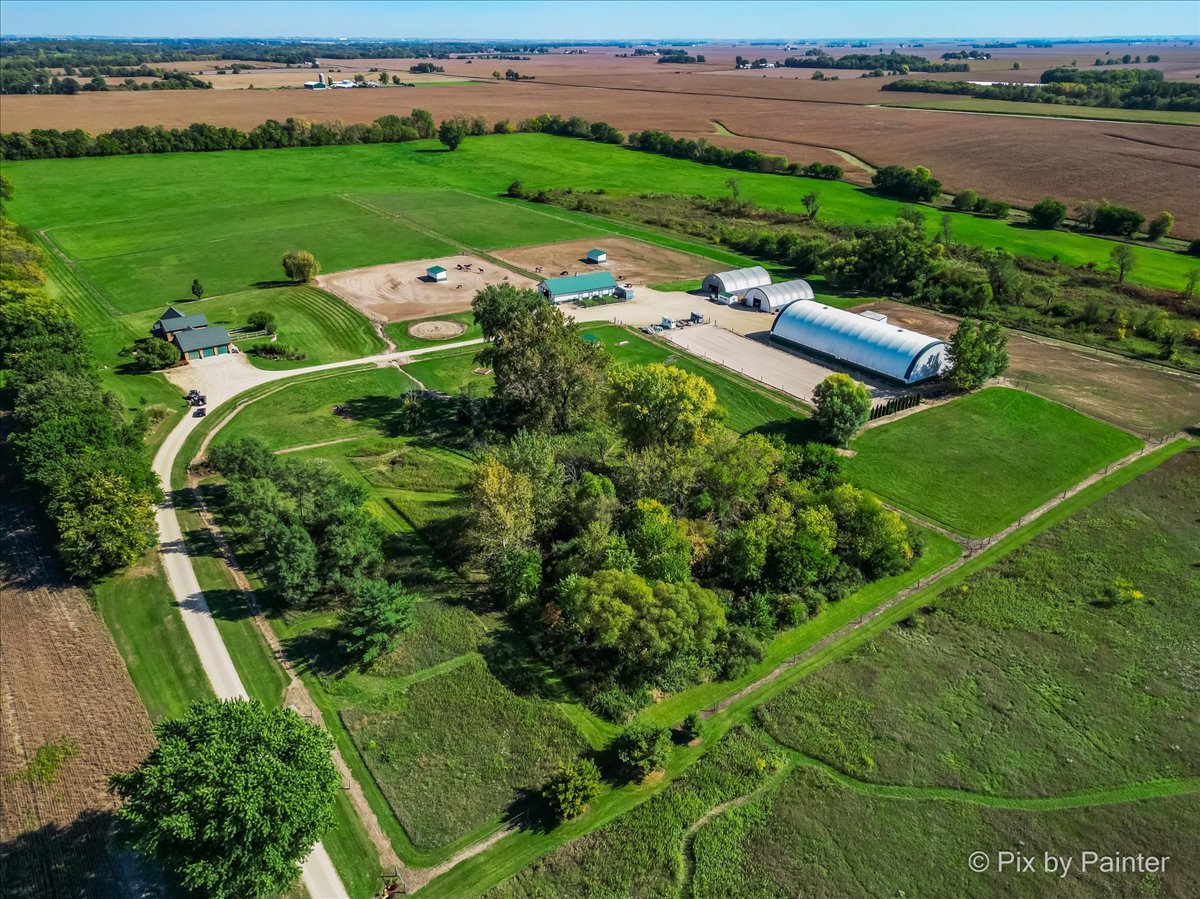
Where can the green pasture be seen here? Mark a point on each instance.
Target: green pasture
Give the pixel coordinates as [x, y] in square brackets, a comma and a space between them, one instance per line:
[302, 414]
[1046, 110]
[208, 190]
[813, 835]
[977, 463]
[483, 223]
[1086, 630]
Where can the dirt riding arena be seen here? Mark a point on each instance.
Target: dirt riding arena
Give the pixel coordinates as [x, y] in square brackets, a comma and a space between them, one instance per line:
[1143, 398]
[65, 687]
[629, 260]
[400, 291]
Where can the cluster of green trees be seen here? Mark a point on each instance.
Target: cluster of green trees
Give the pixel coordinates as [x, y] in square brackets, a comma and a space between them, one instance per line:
[664, 144]
[70, 438]
[640, 542]
[575, 126]
[916, 185]
[232, 799]
[1123, 89]
[970, 201]
[50, 143]
[425, 68]
[320, 544]
[680, 57]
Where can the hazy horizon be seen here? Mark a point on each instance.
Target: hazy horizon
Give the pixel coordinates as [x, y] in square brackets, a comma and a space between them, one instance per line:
[596, 22]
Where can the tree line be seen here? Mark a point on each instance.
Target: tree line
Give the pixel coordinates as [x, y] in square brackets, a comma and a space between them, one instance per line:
[70, 439]
[1123, 89]
[890, 62]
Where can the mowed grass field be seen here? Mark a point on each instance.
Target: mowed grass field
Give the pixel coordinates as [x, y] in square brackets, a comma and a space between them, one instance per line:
[109, 212]
[978, 463]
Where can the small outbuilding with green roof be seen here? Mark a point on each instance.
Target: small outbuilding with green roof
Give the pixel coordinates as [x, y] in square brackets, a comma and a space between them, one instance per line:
[596, 256]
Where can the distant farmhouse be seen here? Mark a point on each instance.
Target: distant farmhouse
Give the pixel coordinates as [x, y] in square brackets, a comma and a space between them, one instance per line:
[193, 335]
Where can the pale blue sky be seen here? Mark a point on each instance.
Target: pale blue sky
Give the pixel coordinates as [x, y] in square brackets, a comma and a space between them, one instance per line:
[598, 20]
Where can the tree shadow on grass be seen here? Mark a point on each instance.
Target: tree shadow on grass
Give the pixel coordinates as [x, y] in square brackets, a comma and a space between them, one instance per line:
[792, 430]
[319, 652]
[529, 810]
[75, 860]
[512, 661]
[267, 285]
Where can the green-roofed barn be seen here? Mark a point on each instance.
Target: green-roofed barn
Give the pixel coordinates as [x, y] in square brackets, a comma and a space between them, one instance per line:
[578, 287]
[173, 321]
[203, 343]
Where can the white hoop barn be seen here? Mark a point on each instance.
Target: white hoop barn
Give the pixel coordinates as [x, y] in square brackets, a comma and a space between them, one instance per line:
[865, 342]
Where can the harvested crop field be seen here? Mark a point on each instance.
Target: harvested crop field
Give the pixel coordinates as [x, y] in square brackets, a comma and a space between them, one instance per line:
[401, 291]
[71, 717]
[628, 260]
[1142, 398]
[1144, 166]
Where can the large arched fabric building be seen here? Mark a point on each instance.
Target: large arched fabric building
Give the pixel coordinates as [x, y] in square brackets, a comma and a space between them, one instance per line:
[737, 281]
[773, 297]
[867, 343]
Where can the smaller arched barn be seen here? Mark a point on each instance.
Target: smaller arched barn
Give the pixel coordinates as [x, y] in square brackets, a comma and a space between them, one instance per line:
[773, 297]
[866, 342]
[736, 282]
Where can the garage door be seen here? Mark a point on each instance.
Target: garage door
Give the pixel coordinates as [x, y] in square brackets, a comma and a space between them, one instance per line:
[223, 350]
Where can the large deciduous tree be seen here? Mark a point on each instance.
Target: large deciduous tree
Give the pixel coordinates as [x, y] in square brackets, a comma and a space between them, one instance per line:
[548, 377]
[662, 404]
[152, 353]
[300, 265]
[979, 352]
[843, 406]
[452, 132]
[233, 798]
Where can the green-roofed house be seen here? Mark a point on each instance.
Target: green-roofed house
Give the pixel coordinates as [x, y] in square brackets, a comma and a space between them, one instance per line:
[173, 321]
[596, 256]
[203, 343]
[578, 287]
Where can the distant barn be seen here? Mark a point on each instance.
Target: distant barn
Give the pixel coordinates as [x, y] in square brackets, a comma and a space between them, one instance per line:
[863, 342]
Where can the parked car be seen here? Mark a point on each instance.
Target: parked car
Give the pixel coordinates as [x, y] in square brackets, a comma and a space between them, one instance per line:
[200, 413]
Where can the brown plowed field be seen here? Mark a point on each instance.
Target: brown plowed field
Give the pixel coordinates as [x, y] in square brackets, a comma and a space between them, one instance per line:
[1022, 160]
[628, 259]
[61, 678]
[1145, 399]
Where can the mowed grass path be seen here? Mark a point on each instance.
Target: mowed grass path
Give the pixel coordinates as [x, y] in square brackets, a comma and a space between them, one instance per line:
[1050, 110]
[209, 192]
[978, 463]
